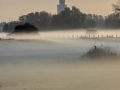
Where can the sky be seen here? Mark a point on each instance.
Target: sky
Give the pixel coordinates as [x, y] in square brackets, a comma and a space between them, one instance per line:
[10, 10]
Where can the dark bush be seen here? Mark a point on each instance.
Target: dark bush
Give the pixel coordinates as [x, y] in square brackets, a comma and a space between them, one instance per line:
[101, 52]
[27, 28]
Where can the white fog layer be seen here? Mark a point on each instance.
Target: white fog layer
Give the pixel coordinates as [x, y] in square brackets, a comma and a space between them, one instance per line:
[55, 63]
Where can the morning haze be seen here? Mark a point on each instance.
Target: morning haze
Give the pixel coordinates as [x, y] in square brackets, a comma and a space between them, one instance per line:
[67, 51]
[12, 9]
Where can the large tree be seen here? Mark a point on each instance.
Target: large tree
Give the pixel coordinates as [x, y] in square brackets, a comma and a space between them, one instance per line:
[40, 19]
[69, 18]
[113, 20]
[110, 21]
[26, 28]
[116, 7]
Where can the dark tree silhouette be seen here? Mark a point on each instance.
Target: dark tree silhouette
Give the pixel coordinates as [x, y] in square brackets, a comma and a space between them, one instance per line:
[116, 7]
[68, 19]
[27, 28]
[90, 23]
[113, 20]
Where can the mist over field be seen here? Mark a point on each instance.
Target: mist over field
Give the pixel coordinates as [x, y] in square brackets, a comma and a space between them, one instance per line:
[79, 33]
[59, 45]
[49, 63]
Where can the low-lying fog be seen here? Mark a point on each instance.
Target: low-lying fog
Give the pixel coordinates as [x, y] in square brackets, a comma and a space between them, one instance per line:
[82, 32]
[56, 64]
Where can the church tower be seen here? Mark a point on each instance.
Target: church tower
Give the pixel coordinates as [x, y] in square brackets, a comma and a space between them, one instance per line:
[61, 6]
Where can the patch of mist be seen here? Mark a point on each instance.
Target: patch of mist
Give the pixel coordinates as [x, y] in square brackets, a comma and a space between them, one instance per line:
[3, 35]
[79, 33]
[37, 66]
[67, 76]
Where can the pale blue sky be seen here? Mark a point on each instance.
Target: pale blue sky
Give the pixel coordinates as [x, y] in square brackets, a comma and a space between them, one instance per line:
[14, 8]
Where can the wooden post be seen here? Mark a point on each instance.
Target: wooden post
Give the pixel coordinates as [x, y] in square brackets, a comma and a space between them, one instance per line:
[107, 35]
[77, 36]
[89, 36]
[72, 36]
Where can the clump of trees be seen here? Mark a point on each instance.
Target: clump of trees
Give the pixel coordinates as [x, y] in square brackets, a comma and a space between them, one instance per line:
[70, 18]
[97, 20]
[9, 27]
[39, 19]
[113, 20]
[27, 28]
[110, 21]
[101, 52]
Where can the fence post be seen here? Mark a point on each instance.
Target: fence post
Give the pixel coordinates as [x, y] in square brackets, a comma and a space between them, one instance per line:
[77, 36]
[98, 36]
[107, 35]
[72, 36]
[89, 36]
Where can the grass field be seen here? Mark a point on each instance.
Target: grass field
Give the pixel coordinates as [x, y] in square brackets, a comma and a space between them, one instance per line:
[55, 64]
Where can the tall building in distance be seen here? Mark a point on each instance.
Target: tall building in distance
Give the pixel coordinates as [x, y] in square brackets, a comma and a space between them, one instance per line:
[61, 6]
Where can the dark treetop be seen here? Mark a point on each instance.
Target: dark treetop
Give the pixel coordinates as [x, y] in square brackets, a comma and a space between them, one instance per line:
[26, 28]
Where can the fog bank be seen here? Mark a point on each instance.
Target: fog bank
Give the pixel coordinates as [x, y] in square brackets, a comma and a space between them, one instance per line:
[56, 64]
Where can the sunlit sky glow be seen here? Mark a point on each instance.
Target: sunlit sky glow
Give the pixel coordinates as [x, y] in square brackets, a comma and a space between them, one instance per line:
[12, 9]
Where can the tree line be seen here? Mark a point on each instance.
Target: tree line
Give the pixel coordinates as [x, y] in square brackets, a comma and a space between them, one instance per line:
[113, 20]
[68, 19]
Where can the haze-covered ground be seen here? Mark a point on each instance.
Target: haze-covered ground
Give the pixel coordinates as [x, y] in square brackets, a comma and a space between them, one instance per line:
[82, 32]
[56, 64]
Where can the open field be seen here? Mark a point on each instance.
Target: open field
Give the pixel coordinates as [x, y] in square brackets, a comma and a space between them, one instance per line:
[55, 64]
